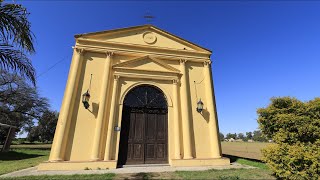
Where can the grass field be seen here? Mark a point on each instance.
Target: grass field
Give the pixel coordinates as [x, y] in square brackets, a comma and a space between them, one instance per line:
[243, 149]
[31, 146]
[240, 149]
[24, 156]
[17, 159]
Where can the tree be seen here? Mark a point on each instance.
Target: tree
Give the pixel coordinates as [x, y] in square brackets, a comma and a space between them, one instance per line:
[16, 40]
[33, 134]
[45, 129]
[249, 135]
[20, 103]
[229, 135]
[221, 136]
[294, 126]
[258, 136]
[241, 136]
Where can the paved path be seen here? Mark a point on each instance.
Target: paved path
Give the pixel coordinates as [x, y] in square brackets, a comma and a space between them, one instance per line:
[127, 169]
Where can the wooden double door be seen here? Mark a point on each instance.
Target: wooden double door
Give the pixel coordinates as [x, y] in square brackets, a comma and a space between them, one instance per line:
[144, 136]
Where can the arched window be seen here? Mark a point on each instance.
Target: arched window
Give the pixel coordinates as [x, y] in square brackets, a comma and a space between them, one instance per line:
[145, 96]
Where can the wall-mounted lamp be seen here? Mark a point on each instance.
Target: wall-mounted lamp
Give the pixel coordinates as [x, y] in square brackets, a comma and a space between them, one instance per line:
[86, 96]
[199, 103]
[199, 106]
[85, 99]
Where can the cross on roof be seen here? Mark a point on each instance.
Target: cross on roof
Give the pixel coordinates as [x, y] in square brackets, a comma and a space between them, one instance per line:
[149, 17]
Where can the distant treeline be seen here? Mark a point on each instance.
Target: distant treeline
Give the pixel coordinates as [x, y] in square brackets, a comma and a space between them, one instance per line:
[247, 136]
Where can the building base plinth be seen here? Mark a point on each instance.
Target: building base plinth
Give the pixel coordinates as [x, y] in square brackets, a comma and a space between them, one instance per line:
[201, 162]
[74, 165]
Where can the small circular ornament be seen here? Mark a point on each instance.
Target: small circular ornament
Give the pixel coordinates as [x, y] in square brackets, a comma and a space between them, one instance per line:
[149, 37]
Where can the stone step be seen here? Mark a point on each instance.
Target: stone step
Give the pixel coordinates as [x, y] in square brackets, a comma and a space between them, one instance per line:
[145, 165]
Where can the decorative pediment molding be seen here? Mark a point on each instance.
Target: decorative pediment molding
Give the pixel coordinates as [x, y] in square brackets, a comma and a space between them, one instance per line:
[148, 59]
[146, 36]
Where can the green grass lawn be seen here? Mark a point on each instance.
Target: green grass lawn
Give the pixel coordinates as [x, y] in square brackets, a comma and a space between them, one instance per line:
[21, 158]
[226, 174]
[260, 172]
[17, 159]
[246, 161]
[58, 177]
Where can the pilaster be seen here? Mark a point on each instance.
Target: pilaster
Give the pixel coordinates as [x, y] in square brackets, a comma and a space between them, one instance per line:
[107, 155]
[185, 108]
[102, 107]
[176, 119]
[62, 129]
[213, 120]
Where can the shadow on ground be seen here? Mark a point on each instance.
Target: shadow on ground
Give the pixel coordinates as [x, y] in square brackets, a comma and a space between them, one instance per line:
[12, 155]
[141, 175]
[235, 158]
[31, 148]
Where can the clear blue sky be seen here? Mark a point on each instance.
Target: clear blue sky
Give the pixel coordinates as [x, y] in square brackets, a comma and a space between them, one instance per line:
[260, 49]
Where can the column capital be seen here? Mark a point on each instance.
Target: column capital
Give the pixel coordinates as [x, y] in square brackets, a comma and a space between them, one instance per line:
[183, 61]
[175, 81]
[109, 53]
[79, 50]
[116, 77]
[206, 63]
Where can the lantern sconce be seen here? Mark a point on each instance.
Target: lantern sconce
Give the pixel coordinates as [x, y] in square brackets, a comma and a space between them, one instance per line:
[85, 99]
[86, 96]
[199, 106]
[199, 103]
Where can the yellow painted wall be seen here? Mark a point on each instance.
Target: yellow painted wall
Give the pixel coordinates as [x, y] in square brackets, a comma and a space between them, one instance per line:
[200, 120]
[83, 121]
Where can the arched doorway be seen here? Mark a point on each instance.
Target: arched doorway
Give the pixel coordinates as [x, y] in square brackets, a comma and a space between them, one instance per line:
[144, 127]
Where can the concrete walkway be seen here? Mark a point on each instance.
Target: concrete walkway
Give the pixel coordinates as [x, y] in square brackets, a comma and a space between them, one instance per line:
[127, 169]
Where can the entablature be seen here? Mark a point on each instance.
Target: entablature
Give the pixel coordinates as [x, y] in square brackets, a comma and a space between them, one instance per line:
[139, 50]
[144, 75]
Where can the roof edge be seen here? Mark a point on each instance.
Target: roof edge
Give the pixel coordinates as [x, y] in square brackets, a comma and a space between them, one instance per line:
[137, 27]
[112, 30]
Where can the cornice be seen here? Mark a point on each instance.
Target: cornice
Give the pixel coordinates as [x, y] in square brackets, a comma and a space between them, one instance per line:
[145, 27]
[137, 53]
[142, 48]
[147, 70]
[146, 76]
[154, 60]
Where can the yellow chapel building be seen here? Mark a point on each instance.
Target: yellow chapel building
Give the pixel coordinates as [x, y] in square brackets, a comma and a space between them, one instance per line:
[137, 95]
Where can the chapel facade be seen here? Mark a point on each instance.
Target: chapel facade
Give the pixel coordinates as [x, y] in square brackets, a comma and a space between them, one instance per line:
[137, 95]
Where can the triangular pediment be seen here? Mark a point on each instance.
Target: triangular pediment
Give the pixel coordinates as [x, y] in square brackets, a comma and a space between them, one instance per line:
[146, 63]
[146, 35]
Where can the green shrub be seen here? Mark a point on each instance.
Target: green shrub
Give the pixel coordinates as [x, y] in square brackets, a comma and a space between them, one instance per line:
[296, 161]
[295, 128]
